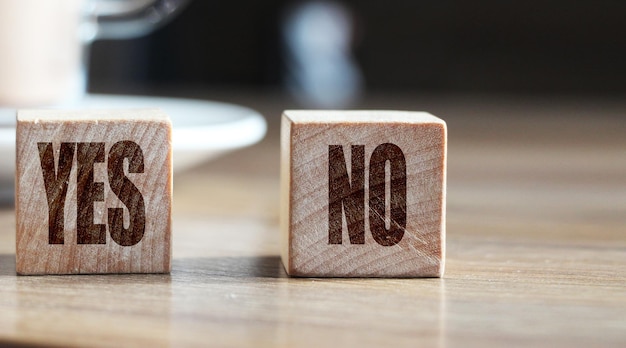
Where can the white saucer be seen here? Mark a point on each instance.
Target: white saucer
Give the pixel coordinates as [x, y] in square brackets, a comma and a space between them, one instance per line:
[202, 129]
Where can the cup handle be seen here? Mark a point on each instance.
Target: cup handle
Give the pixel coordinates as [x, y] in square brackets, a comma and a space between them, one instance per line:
[132, 18]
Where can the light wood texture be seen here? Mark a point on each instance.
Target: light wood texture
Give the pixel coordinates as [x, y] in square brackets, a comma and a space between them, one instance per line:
[536, 249]
[363, 193]
[93, 191]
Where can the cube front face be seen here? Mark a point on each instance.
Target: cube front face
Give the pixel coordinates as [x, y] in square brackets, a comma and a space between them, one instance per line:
[93, 192]
[363, 194]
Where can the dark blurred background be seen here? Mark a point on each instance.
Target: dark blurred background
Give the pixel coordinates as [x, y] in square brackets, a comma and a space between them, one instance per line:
[551, 47]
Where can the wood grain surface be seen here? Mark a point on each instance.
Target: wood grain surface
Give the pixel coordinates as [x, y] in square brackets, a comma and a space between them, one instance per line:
[93, 191]
[363, 193]
[536, 249]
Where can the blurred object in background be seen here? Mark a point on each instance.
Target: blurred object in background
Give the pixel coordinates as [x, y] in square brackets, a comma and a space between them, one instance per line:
[320, 70]
[41, 49]
[554, 47]
[44, 44]
[127, 19]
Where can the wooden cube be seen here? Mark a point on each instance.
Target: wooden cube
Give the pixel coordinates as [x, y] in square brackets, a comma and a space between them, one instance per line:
[93, 191]
[363, 193]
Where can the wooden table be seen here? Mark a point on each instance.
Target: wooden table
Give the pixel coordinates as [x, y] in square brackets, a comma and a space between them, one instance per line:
[536, 249]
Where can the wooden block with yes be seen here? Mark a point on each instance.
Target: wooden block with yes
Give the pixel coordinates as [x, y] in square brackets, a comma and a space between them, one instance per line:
[363, 193]
[93, 191]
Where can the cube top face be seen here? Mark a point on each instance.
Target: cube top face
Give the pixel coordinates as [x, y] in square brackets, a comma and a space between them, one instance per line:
[371, 117]
[93, 191]
[99, 115]
[363, 193]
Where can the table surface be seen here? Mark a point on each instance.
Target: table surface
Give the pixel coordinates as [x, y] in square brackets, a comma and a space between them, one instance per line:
[536, 250]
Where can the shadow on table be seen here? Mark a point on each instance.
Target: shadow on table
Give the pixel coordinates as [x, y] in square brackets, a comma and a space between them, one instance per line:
[7, 265]
[7, 195]
[231, 267]
[219, 267]
[4, 342]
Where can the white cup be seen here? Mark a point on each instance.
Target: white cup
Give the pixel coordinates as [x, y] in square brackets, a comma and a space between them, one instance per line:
[44, 43]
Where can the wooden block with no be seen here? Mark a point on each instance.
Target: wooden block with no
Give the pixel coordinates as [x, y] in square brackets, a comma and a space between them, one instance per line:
[93, 191]
[363, 193]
